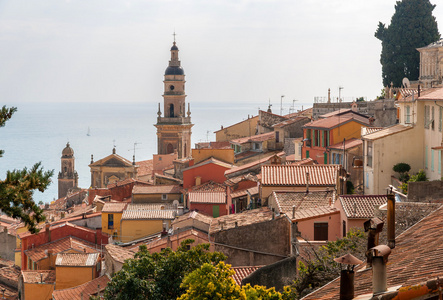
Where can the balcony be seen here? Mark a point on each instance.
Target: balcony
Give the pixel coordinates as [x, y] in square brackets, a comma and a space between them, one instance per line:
[175, 120]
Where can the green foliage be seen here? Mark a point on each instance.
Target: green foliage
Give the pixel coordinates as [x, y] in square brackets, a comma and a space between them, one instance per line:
[420, 176]
[320, 268]
[412, 26]
[215, 282]
[361, 99]
[401, 168]
[159, 275]
[17, 189]
[350, 187]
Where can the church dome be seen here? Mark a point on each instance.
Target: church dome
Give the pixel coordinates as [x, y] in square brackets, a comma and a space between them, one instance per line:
[174, 71]
[174, 47]
[67, 151]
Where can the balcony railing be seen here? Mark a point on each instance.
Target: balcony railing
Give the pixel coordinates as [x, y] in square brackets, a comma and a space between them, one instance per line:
[175, 120]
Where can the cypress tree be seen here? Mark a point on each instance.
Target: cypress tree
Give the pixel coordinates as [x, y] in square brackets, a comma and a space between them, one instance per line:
[412, 26]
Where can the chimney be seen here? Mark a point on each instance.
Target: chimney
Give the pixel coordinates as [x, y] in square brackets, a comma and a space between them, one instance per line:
[48, 232]
[198, 180]
[379, 259]
[307, 182]
[373, 226]
[347, 276]
[329, 96]
[418, 90]
[391, 220]
[293, 211]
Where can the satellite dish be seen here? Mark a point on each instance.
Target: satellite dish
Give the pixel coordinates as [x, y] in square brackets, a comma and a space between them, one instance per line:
[175, 203]
[406, 83]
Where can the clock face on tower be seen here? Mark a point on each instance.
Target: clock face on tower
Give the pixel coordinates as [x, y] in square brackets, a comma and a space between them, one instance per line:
[171, 87]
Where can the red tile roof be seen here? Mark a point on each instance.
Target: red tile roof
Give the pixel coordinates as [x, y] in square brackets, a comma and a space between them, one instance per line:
[149, 215]
[285, 202]
[416, 258]
[150, 206]
[255, 138]
[157, 189]
[82, 291]
[335, 121]
[10, 275]
[114, 207]
[386, 132]
[61, 245]
[207, 197]
[433, 94]
[304, 161]
[118, 253]
[193, 215]
[210, 160]
[242, 272]
[293, 175]
[242, 219]
[76, 259]
[290, 121]
[253, 164]
[145, 167]
[47, 276]
[210, 186]
[361, 206]
[351, 143]
[240, 193]
[315, 212]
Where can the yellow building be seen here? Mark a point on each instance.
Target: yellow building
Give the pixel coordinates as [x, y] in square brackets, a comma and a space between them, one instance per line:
[225, 155]
[73, 269]
[141, 220]
[242, 129]
[34, 285]
[111, 217]
[156, 194]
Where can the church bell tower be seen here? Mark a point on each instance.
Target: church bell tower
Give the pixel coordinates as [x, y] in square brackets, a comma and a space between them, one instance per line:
[67, 177]
[174, 128]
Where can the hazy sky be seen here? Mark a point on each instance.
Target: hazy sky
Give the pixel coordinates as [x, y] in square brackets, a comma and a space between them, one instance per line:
[242, 51]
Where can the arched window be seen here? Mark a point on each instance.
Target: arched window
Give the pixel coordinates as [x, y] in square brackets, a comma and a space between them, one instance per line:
[171, 110]
[169, 149]
[185, 152]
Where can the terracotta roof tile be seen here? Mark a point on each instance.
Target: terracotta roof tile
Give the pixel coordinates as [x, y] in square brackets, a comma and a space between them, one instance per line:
[361, 206]
[210, 186]
[149, 215]
[118, 253]
[304, 161]
[240, 193]
[315, 202]
[293, 175]
[242, 219]
[157, 189]
[47, 276]
[210, 160]
[386, 132]
[59, 246]
[194, 215]
[6, 263]
[207, 197]
[145, 167]
[9, 292]
[351, 143]
[77, 259]
[255, 138]
[415, 259]
[114, 207]
[242, 272]
[309, 213]
[151, 206]
[11, 274]
[432, 94]
[335, 121]
[251, 165]
[290, 121]
[82, 291]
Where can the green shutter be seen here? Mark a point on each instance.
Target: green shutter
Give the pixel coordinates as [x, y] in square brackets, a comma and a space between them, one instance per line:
[215, 211]
[326, 158]
[307, 153]
[327, 135]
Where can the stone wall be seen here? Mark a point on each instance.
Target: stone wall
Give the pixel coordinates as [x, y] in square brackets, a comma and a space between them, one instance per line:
[7, 244]
[266, 120]
[425, 191]
[289, 147]
[276, 275]
[256, 244]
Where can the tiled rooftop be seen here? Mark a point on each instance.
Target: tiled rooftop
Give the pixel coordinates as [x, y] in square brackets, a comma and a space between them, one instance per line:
[348, 144]
[59, 246]
[253, 191]
[242, 272]
[150, 206]
[293, 175]
[210, 186]
[83, 291]
[145, 167]
[304, 161]
[30, 276]
[433, 94]
[149, 215]
[114, 207]
[118, 253]
[361, 206]
[207, 197]
[210, 160]
[243, 177]
[317, 203]
[255, 138]
[157, 189]
[289, 122]
[9, 274]
[415, 259]
[76, 259]
[314, 212]
[335, 121]
[193, 215]
[386, 132]
[257, 163]
[242, 219]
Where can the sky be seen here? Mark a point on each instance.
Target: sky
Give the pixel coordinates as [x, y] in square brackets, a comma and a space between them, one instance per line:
[238, 51]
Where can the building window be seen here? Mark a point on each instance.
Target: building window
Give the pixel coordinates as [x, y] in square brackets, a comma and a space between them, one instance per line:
[110, 221]
[408, 115]
[432, 118]
[369, 154]
[307, 153]
[320, 231]
[427, 117]
[322, 138]
[432, 160]
[277, 137]
[440, 118]
[164, 196]
[344, 228]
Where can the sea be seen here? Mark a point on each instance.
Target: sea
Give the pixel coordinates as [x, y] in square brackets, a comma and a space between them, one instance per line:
[38, 132]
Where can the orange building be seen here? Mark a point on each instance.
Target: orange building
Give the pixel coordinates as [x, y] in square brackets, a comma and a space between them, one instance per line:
[210, 169]
[320, 134]
[74, 269]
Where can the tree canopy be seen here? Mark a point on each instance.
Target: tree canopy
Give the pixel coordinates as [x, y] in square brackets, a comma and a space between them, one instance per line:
[412, 26]
[159, 275]
[17, 189]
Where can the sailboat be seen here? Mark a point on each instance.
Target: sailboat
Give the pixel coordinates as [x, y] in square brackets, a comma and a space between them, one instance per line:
[89, 132]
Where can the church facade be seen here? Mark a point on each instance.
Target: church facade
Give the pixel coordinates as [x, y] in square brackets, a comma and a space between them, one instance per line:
[174, 127]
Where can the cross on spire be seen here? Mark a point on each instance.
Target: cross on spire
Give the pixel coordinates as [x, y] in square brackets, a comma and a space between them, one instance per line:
[174, 34]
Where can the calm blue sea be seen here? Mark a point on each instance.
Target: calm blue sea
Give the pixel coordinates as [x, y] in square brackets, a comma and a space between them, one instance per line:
[40, 131]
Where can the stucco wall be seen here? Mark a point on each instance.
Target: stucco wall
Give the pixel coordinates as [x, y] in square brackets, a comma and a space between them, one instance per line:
[425, 191]
[72, 276]
[38, 291]
[7, 245]
[306, 227]
[206, 172]
[135, 229]
[270, 237]
[239, 130]
[226, 155]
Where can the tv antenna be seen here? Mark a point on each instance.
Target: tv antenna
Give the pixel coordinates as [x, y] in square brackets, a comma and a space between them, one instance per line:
[135, 144]
[339, 93]
[281, 104]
